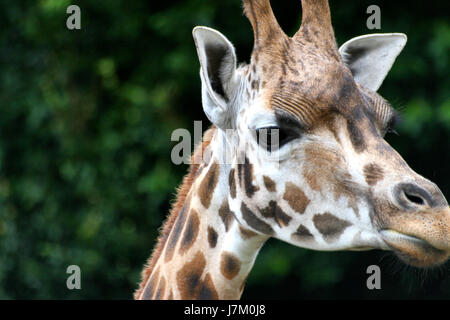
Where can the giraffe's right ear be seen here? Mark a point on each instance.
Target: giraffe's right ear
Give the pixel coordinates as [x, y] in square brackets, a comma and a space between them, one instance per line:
[218, 64]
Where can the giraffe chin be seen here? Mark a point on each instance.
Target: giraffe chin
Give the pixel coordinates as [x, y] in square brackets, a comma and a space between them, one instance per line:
[414, 251]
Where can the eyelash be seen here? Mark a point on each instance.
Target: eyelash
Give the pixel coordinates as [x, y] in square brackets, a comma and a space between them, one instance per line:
[265, 137]
[391, 124]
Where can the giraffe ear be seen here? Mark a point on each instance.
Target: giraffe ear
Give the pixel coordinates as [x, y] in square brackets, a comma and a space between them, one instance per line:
[371, 56]
[217, 69]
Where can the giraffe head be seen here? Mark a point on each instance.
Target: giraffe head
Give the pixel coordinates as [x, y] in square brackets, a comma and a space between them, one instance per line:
[326, 179]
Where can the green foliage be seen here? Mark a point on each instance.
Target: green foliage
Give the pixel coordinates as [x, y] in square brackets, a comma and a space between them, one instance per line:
[86, 118]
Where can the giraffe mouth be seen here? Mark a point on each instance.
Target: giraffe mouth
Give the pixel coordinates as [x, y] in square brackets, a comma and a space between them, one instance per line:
[413, 250]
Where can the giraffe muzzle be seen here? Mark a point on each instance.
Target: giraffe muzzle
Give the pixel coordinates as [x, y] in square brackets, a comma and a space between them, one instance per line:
[414, 250]
[419, 233]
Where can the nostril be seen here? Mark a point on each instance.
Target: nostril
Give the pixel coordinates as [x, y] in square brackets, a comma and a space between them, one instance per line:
[414, 199]
[410, 196]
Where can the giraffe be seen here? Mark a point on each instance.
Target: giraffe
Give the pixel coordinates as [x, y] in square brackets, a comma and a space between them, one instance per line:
[327, 179]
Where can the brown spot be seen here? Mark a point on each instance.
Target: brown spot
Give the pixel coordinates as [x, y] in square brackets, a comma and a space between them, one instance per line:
[330, 226]
[190, 231]
[229, 265]
[254, 222]
[295, 197]
[161, 288]
[275, 212]
[302, 234]
[269, 183]
[354, 130]
[373, 173]
[226, 215]
[232, 183]
[324, 167]
[189, 277]
[245, 175]
[207, 290]
[212, 237]
[208, 185]
[175, 234]
[246, 233]
[149, 289]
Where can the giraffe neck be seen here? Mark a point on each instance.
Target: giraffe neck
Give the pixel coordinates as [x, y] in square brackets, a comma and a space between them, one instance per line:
[207, 254]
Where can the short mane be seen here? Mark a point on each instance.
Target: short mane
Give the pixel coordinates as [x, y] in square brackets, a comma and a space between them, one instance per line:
[182, 192]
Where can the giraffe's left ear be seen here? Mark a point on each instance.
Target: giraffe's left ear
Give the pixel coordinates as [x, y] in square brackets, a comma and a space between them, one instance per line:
[218, 64]
[371, 56]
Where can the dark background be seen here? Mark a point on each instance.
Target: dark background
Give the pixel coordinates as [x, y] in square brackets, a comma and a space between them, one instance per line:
[85, 123]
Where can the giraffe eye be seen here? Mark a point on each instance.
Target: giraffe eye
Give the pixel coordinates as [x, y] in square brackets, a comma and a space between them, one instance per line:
[273, 138]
